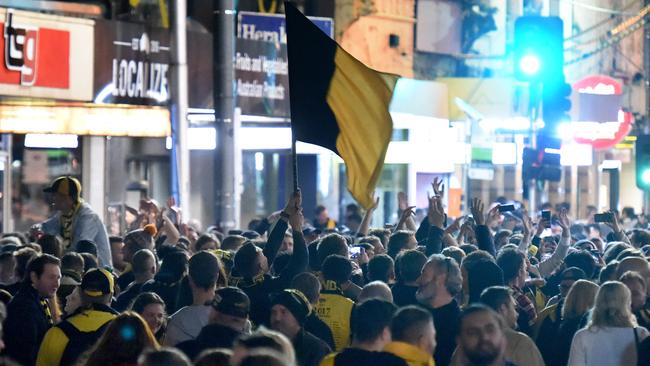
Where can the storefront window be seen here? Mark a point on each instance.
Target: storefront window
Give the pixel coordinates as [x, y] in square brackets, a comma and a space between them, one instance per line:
[33, 169]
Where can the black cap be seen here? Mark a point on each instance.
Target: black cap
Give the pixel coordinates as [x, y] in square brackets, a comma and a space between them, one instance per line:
[97, 282]
[232, 301]
[295, 301]
[65, 185]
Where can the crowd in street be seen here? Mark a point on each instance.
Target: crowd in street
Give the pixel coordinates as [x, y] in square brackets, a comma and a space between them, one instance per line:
[493, 288]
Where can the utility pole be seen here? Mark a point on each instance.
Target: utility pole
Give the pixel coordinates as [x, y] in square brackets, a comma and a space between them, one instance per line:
[179, 96]
[646, 77]
[223, 37]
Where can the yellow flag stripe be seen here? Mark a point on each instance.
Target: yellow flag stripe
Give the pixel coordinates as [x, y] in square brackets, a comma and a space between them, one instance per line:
[359, 98]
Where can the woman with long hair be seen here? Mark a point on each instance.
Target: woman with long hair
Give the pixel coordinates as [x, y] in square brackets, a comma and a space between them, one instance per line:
[126, 337]
[612, 335]
[152, 308]
[579, 300]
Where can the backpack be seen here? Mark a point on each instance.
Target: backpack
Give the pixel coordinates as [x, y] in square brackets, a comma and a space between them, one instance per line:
[78, 341]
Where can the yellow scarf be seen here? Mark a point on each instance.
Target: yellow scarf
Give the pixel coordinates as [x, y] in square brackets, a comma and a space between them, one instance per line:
[410, 353]
[66, 225]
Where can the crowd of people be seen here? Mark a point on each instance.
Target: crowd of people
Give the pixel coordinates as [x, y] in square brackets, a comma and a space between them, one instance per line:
[491, 288]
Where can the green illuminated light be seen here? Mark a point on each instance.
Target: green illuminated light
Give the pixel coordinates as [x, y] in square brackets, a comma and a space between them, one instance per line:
[645, 176]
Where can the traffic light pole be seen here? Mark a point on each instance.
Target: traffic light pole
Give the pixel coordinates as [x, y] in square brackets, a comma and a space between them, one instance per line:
[179, 96]
[646, 67]
[223, 36]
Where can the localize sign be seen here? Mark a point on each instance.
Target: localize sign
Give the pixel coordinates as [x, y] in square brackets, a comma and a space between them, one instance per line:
[139, 64]
[132, 65]
[39, 52]
[140, 79]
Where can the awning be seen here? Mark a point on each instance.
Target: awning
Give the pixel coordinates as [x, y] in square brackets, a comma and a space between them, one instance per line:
[418, 101]
[85, 119]
[491, 97]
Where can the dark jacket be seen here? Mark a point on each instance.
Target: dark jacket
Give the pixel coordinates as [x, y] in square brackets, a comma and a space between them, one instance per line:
[309, 349]
[25, 326]
[317, 327]
[125, 279]
[260, 288]
[359, 357]
[446, 320]
[431, 237]
[126, 296]
[211, 336]
[404, 294]
[644, 352]
[168, 290]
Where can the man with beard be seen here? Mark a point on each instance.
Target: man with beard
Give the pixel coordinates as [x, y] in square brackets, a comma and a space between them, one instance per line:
[481, 339]
[438, 284]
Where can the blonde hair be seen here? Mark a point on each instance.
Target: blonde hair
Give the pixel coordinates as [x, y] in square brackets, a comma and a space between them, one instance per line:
[613, 307]
[580, 299]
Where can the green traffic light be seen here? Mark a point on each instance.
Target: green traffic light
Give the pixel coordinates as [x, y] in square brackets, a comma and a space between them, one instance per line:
[645, 176]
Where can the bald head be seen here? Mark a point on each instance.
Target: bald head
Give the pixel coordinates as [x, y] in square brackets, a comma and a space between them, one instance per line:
[376, 290]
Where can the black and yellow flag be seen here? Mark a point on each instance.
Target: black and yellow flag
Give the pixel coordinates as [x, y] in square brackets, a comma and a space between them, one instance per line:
[339, 103]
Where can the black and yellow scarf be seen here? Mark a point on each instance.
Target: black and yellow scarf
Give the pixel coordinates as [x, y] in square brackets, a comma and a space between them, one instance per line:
[66, 225]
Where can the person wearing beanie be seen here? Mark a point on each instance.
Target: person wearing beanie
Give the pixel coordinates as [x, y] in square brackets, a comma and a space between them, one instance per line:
[67, 341]
[75, 220]
[251, 263]
[228, 321]
[290, 308]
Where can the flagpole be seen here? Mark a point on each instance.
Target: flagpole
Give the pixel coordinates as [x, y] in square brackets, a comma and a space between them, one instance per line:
[294, 161]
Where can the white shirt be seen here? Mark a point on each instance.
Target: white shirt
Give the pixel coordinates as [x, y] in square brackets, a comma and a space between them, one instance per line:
[186, 324]
[605, 346]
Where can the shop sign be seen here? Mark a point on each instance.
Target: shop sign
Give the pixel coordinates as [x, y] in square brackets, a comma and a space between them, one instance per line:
[480, 170]
[262, 78]
[132, 65]
[45, 56]
[601, 134]
[261, 63]
[272, 27]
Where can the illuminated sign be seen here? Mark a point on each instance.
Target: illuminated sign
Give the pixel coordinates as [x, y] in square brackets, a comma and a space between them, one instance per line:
[40, 53]
[601, 135]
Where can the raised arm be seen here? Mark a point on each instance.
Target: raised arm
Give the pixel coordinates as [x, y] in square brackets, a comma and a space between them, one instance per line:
[617, 230]
[549, 265]
[528, 229]
[367, 219]
[436, 218]
[300, 256]
[483, 234]
[279, 229]
[404, 219]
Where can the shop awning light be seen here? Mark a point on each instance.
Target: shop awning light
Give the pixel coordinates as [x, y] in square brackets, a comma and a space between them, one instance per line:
[85, 120]
[52, 141]
[199, 138]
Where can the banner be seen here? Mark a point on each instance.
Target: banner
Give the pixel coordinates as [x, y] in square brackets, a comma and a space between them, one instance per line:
[261, 68]
[132, 65]
[45, 56]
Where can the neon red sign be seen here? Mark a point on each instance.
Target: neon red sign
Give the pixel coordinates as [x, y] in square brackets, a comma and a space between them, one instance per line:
[602, 135]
